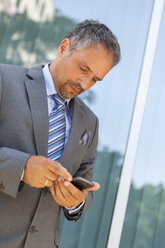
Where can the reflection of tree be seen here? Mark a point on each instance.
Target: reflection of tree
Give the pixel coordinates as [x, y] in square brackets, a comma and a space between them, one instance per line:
[20, 36]
[145, 218]
[91, 231]
[26, 42]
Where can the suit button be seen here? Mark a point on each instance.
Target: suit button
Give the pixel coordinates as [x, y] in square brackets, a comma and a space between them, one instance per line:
[1, 186]
[46, 191]
[33, 229]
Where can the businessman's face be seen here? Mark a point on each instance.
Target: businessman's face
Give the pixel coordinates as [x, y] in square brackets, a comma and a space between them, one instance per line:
[76, 73]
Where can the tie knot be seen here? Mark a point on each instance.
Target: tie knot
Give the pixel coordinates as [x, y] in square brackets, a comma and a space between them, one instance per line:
[58, 99]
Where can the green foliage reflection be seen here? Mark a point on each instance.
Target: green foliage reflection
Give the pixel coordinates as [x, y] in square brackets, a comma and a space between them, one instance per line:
[145, 218]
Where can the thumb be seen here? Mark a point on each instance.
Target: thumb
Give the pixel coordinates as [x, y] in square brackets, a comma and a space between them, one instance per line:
[95, 187]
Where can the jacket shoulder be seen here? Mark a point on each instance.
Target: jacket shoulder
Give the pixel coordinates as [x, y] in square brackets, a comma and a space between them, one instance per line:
[4, 67]
[87, 110]
[12, 71]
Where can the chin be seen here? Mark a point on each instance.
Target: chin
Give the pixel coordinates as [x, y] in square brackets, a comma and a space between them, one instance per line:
[61, 94]
[65, 95]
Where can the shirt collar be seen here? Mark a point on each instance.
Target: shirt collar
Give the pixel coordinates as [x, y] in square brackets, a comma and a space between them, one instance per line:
[50, 87]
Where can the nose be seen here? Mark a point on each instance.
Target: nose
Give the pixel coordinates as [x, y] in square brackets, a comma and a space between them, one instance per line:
[84, 83]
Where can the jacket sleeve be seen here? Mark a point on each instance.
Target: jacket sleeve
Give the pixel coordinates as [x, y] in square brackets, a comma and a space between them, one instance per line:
[12, 163]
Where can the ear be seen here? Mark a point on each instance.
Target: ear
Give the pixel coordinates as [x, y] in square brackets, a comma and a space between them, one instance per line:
[64, 46]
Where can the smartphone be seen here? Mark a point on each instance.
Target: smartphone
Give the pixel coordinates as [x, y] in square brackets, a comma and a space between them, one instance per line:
[82, 183]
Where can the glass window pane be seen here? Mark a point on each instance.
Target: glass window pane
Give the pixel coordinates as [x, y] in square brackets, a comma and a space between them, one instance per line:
[28, 39]
[112, 100]
[145, 216]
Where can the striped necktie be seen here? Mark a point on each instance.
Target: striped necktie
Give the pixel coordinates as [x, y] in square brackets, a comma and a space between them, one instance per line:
[57, 126]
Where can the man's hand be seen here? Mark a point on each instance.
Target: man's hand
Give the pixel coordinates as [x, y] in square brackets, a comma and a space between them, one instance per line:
[40, 170]
[67, 195]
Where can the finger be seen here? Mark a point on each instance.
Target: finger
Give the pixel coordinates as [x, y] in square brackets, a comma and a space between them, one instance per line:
[60, 197]
[58, 169]
[47, 182]
[59, 192]
[50, 175]
[52, 190]
[70, 199]
[75, 192]
[60, 179]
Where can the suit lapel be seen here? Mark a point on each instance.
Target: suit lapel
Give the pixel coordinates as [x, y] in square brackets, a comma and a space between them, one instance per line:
[77, 129]
[36, 90]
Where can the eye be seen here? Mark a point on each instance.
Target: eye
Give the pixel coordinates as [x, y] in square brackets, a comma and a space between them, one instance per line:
[83, 69]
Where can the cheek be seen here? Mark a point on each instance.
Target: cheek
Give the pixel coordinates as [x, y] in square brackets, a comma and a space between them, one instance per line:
[66, 75]
[68, 72]
[71, 70]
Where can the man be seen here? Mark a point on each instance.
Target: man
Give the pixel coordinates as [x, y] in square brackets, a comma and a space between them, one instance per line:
[48, 136]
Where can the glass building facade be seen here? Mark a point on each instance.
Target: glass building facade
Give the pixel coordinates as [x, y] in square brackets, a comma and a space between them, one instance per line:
[128, 211]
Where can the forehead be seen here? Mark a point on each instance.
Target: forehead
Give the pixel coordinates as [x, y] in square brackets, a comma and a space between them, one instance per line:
[97, 58]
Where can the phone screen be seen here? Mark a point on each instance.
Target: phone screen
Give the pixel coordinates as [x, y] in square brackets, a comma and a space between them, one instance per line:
[82, 183]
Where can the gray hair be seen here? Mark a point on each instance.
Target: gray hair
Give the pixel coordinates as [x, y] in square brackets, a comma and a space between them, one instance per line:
[89, 33]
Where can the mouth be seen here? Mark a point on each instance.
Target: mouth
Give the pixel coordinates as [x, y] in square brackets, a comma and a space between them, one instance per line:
[74, 90]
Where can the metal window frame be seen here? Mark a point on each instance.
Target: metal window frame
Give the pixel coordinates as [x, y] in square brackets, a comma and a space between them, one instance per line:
[126, 175]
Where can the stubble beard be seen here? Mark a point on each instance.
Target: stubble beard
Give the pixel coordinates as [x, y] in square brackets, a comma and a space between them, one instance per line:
[67, 93]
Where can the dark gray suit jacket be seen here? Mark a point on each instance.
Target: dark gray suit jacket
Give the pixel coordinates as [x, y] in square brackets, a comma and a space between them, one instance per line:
[30, 217]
